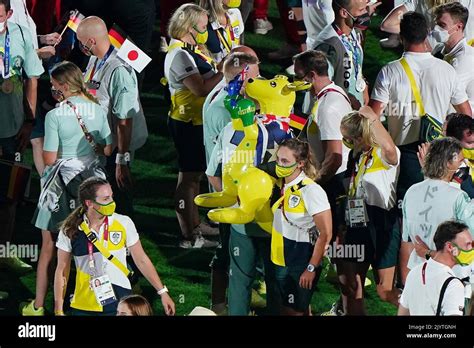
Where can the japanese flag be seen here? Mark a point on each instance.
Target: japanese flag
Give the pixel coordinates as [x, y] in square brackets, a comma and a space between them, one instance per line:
[133, 56]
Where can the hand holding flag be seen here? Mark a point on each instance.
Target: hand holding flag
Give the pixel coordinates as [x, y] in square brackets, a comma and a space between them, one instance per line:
[74, 20]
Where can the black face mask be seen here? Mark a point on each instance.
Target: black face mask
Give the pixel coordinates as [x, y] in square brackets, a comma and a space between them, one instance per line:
[361, 22]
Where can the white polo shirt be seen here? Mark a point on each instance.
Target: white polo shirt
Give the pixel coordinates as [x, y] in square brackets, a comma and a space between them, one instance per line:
[439, 87]
[325, 122]
[378, 184]
[122, 235]
[301, 199]
[179, 64]
[461, 57]
[422, 299]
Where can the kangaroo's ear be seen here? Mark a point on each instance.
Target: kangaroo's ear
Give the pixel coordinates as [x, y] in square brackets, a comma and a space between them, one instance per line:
[296, 86]
[301, 85]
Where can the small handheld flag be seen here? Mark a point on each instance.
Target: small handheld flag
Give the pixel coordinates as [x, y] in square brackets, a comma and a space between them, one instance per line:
[117, 36]
[127, 50]
[74, 20]
[133, 56]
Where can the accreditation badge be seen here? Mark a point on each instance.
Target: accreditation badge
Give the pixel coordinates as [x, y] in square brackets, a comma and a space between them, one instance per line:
[104, 293]
[360, 83]
[356, 213]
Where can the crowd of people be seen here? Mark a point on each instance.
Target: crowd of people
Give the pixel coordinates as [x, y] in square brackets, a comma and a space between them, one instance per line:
[387, 165]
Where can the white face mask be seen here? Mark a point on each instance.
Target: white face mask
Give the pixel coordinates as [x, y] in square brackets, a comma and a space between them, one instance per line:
[439, 34]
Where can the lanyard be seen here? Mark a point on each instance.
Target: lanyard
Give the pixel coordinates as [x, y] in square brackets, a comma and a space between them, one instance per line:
[193, 49]
[423, 271]
[314, 110]
[90, 247]
[355, 179]
[96, 68]
[323, 94]
[282, 203]
[282, 206]
[224, 42]
[87, 134]
[6, 57]
[350, 43]
[229, 30]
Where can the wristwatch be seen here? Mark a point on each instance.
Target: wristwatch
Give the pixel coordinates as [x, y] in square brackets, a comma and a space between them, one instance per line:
[310, 268]
[428, 254]
[162, 290]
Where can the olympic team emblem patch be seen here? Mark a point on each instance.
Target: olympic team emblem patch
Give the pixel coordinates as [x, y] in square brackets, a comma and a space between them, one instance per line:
[115, 237]
[293, 201]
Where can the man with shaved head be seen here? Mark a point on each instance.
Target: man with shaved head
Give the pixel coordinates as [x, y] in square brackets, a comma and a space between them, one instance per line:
[114, 83]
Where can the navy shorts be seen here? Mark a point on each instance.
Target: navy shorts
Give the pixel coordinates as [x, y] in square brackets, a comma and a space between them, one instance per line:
[189, 143]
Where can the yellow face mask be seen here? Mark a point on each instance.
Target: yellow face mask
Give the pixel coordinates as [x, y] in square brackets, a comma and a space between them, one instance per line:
[283, 172]
[201, 37]
[347, 143]
[106, 209]
[468, 154]
[464, 257]
[233, 3]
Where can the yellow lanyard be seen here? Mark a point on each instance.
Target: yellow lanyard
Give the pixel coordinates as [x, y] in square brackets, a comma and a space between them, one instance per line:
[194, 49]
[414, 87]
[224, 42]
[355, 179]
[314, 110]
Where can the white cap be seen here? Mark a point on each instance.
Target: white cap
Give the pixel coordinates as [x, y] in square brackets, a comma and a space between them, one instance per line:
[198, 310]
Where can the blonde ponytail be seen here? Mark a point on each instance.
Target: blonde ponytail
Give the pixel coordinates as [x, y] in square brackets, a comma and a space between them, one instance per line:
[358, 126]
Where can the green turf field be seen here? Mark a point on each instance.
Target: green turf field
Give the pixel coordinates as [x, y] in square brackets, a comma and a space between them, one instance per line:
[185, 272]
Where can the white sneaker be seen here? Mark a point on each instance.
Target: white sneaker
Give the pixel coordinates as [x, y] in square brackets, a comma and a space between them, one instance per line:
[206, 230]
[198, 243]
[333, 312]
[262, 26]
[186, 244]
[201, 242]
